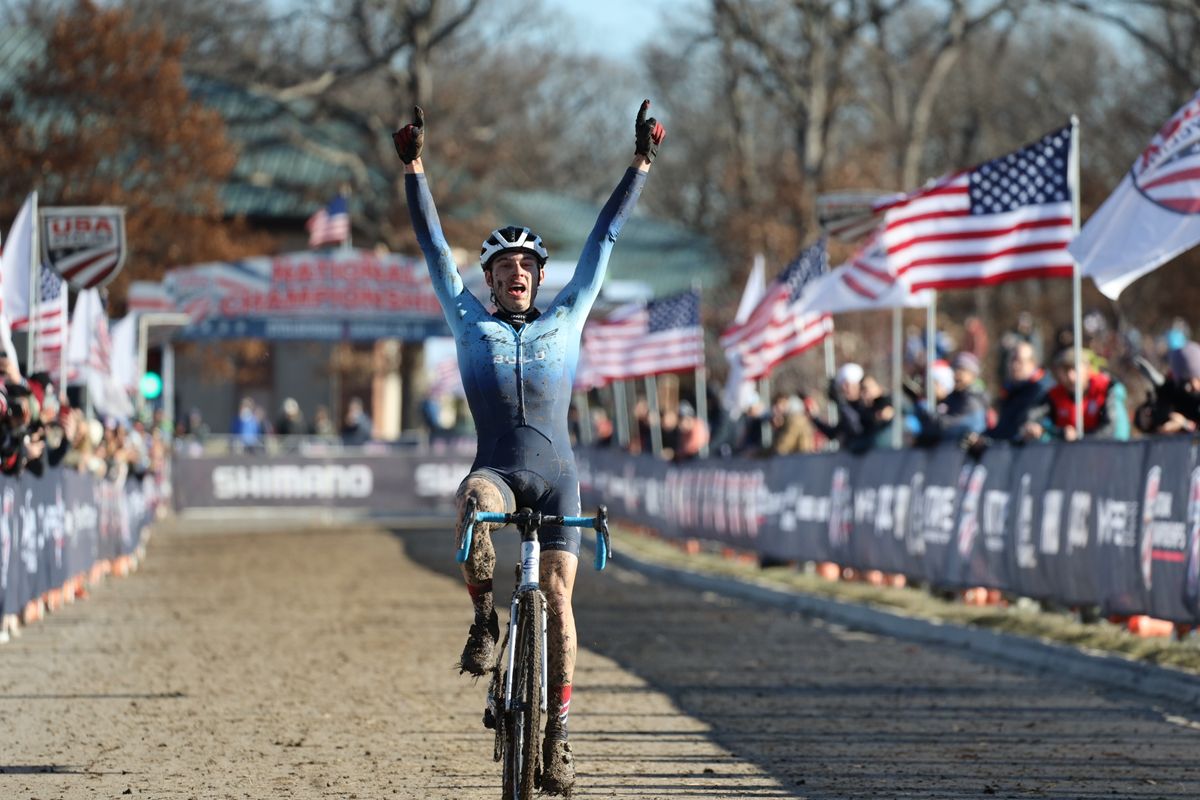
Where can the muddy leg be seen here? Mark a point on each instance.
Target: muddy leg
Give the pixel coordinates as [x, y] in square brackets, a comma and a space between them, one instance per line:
[478, 655]
[558, 582]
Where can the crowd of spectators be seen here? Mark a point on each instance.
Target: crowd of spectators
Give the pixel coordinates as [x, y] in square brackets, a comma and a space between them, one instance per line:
[253, 428]
[41, 430]
[1032, 399]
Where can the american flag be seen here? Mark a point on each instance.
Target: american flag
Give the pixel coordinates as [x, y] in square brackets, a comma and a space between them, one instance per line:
[636, 340]
[1007, 219]
[49, 322]
[778, 328]
[329, 225]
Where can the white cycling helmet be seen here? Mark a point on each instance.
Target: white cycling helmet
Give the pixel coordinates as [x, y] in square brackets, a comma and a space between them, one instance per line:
[512, 238]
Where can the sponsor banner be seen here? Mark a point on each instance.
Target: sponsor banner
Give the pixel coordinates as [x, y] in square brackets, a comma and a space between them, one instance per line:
[56, 527]
[85, 245]
[1170, 522]
[1109, 524]
[384, 484]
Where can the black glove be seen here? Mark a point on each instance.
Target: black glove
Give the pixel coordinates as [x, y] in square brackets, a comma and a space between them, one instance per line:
[411, 138]
[648, 133]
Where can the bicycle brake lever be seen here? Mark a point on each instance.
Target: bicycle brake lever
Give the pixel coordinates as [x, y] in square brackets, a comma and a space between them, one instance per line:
[603, 543]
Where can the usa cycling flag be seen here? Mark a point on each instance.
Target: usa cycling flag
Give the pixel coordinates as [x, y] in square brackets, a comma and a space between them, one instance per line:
[636, 340]
[1007, 219]
[1153, 215]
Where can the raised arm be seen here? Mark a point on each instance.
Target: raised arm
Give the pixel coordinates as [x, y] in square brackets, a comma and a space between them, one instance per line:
[447, 283]
[583, 288]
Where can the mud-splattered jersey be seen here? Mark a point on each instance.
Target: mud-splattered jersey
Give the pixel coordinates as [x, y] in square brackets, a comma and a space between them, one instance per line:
[518, 379]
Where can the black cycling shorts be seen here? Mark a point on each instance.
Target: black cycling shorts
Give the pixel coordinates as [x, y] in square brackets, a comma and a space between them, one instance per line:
[527, 489]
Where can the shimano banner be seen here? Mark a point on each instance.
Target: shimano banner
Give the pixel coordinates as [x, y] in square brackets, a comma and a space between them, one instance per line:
[1108, 524]
[386, 484]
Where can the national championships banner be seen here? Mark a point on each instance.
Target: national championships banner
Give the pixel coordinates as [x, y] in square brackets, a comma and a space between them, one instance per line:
[320, 294]
[1109, 524]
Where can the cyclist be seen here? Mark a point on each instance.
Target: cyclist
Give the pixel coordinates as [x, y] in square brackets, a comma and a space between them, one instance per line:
[518, 365]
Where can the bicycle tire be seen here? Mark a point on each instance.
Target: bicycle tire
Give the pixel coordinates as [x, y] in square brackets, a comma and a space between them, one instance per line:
[522, 751]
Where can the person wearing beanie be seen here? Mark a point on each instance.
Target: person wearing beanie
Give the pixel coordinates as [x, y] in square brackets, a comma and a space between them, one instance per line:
[961, 407]
[857, 423]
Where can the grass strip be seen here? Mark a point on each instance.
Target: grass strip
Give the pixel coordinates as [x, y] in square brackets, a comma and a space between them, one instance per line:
[1024, 618]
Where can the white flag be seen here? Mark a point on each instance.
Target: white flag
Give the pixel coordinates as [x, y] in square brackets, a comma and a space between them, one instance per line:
[737, 388]
[863, 283]
[1154, 214]
[124, 352]
[16, 263]
[84, 320]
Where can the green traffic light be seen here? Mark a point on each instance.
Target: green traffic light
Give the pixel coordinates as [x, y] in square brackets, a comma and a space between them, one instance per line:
[151, 385]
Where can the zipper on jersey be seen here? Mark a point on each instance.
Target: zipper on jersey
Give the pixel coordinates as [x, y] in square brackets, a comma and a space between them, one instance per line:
[520, 383]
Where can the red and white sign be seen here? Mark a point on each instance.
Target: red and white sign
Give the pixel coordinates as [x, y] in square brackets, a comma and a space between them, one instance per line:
[85, 245]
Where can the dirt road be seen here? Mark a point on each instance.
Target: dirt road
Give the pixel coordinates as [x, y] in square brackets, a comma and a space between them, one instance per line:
[317, 663]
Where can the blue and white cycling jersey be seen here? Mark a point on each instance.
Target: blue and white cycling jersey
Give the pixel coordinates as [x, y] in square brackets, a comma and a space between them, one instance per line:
[518, 378]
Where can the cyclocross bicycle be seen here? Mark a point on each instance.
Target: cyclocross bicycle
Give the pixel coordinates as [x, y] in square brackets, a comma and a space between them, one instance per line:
[517, 692]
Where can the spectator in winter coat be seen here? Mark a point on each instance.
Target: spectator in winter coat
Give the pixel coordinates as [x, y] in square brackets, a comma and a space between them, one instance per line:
[1023, 397]
[855, 429]
[1174, 404]
[962, 412]
[1104, 412]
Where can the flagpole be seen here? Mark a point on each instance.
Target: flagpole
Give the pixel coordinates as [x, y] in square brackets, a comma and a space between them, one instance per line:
[702, 387]
[585, 420]
[66, 339]
[764, 398]
[897, 388]
[830, 371]
[35, 260]
[1076, 275]
[930, 351]
[620, 413]
[651, 382]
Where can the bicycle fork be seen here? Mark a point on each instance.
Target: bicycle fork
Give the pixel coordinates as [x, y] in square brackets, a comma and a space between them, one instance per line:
[529, 582]
[514, 620]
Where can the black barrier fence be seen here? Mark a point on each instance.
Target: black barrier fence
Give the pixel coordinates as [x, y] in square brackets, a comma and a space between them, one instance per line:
[58, 527]
[1108, 524]
[375, 484]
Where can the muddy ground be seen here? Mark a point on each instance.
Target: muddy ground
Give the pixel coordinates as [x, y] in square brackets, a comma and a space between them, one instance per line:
[317, 663]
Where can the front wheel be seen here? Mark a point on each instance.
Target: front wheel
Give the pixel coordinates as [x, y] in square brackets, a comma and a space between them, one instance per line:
[522, 728]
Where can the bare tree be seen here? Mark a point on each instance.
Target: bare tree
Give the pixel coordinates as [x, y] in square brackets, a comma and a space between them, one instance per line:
[913, 68]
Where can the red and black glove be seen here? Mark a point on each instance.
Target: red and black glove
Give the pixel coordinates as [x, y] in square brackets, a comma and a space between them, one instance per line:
[411, 138]
[648, 133]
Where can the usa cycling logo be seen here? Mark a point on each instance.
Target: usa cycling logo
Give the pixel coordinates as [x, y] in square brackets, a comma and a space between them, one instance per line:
[1168, 172]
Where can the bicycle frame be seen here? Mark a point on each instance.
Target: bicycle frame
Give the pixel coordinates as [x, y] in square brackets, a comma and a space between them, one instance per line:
[528, 523]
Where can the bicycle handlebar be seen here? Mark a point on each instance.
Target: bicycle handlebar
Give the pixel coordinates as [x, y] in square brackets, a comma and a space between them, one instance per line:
[531, 520]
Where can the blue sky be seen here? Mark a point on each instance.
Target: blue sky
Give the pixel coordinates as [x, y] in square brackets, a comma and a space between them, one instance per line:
[614, 27]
